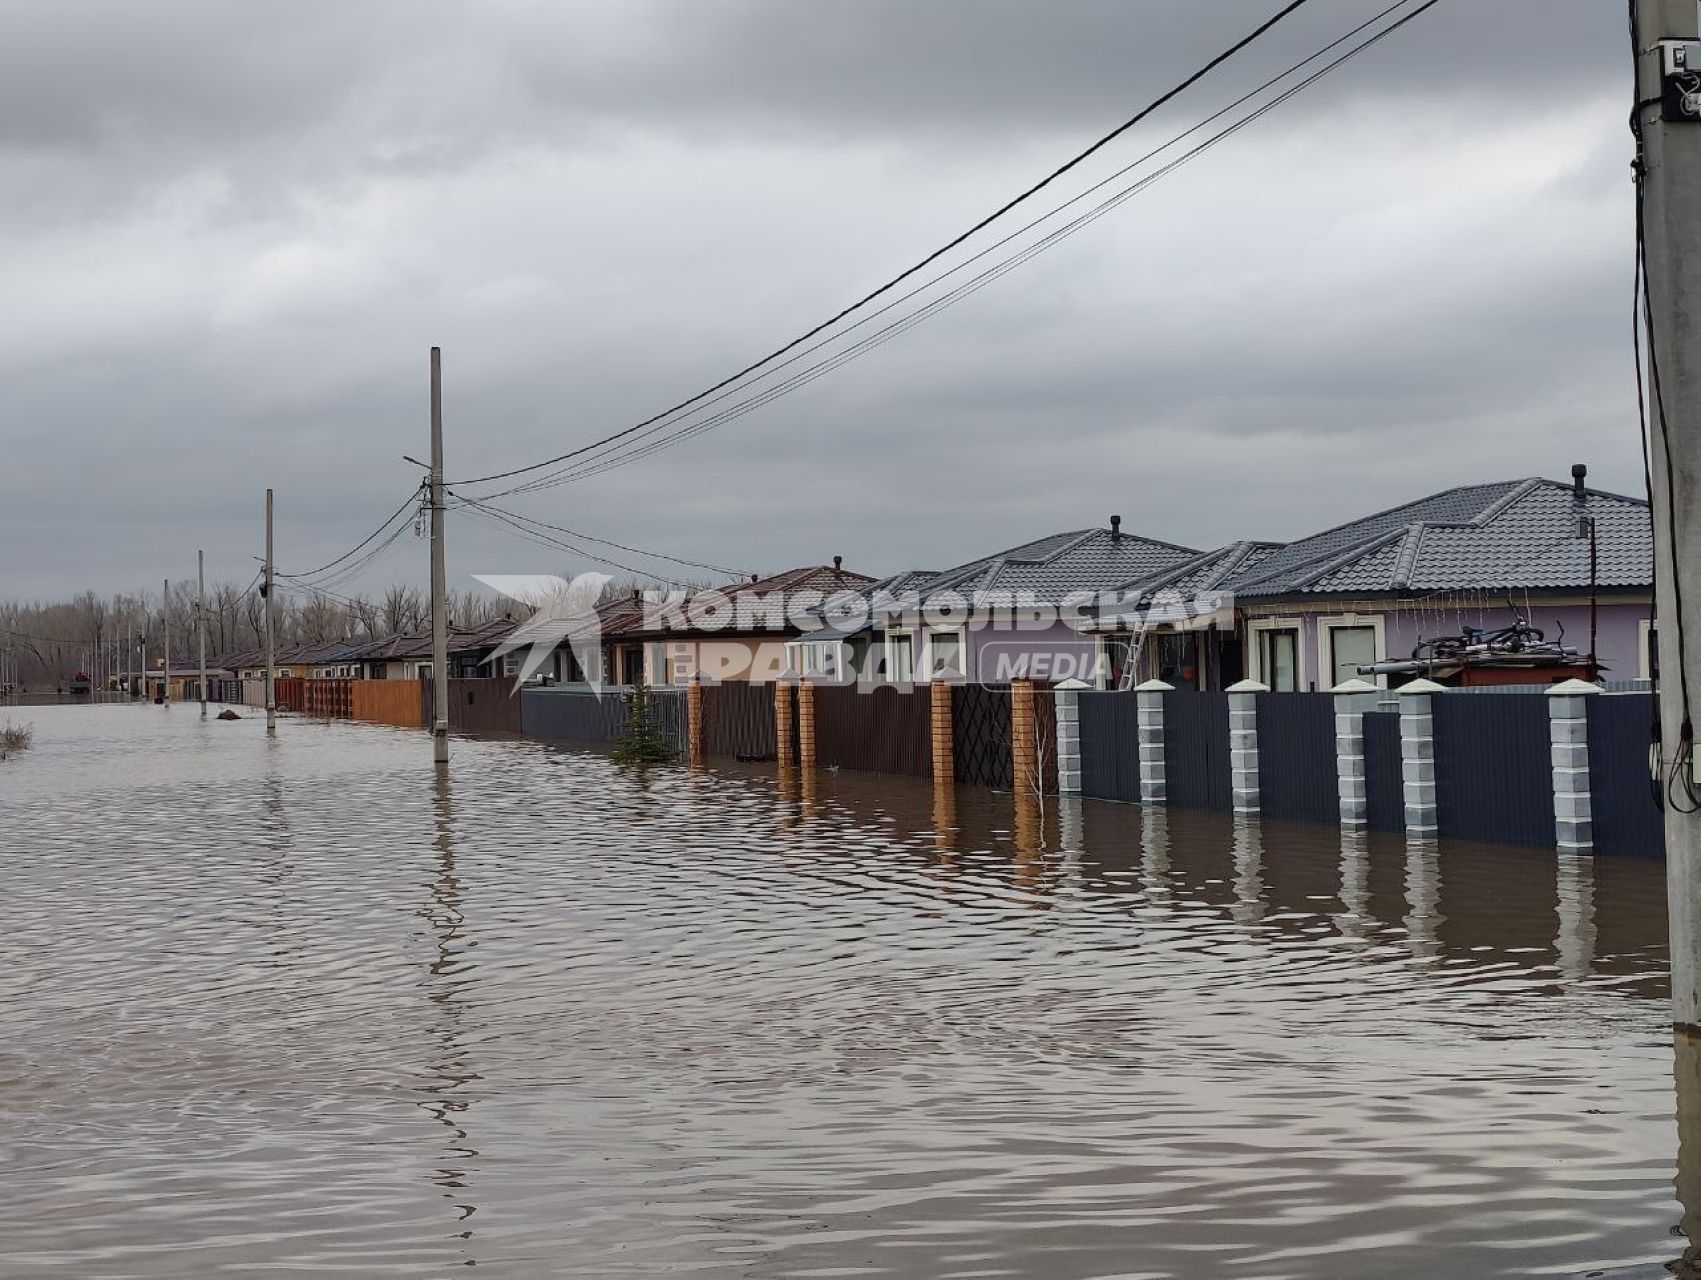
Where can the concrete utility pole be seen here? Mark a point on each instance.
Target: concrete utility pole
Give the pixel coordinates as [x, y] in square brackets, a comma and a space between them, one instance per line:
[1668, 118]
[271, 650]
[201, 622]
[165, 641]
[439, 576]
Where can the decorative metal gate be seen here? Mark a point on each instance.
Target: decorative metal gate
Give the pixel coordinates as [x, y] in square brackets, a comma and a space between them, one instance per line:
[980, 735]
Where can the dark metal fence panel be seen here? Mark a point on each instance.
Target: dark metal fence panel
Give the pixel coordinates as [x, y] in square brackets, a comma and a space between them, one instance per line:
[980, 735]
[1296, 757]
[1196, 750]
[738, 720]
[1493, 768]
[879, 728]
[1627, 817]
[1384, 787]
[579, 715]
[1110, 746]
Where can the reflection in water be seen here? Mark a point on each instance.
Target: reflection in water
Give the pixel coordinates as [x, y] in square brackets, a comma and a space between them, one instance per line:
[1248, 869]
[1354, 919]
[728, 1023]
[1576, 941]
[1423, 918]
[447, 1100]
[1686, 1071]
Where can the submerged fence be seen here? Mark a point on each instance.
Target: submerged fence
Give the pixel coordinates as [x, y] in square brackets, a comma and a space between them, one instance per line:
[1566, 766]
[579, 714]
[879, 730]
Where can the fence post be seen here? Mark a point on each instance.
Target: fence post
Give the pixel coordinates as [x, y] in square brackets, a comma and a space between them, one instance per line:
[694, 717]
[1024, 772]
[1243, 743]
[1351, 781]
[1069, 737]
[944, 751]
[1149, 722]
[784, 691]
[1417, 756]
[1568, 734]
[805, 724]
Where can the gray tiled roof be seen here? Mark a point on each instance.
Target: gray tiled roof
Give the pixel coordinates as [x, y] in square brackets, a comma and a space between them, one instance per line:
[1513, 534]
[1051, 568]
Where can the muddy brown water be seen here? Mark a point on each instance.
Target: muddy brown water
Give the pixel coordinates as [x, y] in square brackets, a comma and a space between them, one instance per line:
[302, 1005]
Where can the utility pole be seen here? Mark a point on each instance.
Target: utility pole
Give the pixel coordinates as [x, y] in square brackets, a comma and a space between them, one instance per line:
[201, 622]
[165, 644]
[271, 649]
[1668, 169]
[439, 576]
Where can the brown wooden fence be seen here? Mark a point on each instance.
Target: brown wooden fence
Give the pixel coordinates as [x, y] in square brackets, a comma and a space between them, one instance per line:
[290, 693]
[881, 729]
[398, 702]
[326, 698]
[478, 706]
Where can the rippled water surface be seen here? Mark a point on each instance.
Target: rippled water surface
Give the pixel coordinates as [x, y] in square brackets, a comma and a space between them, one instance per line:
[304, 1004]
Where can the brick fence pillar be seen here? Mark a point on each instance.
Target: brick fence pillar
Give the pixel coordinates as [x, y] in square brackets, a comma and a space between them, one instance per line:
[1351, 781]
[1243, 744]
[1417, 756]
[786, 748]
[944, 749]
[694, 718]
[1568, 736]
[806, 725]
[1025, 764]
[1149, 721]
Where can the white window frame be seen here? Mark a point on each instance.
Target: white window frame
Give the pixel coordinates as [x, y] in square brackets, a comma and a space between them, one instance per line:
[927, 674]
[1645, 631]
[1326, 627]
[892, 639]
[1255, 651]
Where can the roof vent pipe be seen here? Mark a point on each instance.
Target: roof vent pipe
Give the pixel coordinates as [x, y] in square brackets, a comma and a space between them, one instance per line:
[1116, 526]
[838, 564]
[1579, 473]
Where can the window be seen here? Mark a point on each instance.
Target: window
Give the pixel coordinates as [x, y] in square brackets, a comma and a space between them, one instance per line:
[1350, 647]
[942, 656]
[1116, 652]
[900, 659]
[1648, 655]
[1177, 659]
[1278, 658]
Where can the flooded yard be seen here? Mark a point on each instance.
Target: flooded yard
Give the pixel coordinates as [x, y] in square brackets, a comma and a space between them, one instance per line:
[302, 1003]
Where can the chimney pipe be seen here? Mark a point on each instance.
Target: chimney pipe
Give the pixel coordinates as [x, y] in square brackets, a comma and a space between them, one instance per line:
[1116, 526]
[1579, 473]
[838, 563]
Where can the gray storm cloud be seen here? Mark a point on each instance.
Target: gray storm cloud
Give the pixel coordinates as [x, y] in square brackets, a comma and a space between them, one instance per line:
[233, 232]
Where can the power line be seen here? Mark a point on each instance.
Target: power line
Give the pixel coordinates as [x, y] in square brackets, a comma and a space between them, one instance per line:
[412, 498]
[500, 519]
[635, 450]
[605, 542]
[928, 260]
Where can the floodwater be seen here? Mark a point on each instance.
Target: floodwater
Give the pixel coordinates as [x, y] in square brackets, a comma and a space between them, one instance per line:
[305, 1005]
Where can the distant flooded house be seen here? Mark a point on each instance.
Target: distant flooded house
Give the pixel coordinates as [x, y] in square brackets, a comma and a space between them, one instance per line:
[1022, 613]
[733, 633]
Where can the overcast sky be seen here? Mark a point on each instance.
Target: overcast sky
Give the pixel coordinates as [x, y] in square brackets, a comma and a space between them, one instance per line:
[232, 232]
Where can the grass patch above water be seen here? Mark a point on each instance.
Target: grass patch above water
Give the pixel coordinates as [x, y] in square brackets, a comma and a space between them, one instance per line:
[15, 737]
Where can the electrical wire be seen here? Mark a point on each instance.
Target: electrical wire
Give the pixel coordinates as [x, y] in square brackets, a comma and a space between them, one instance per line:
[465, 501]
[411, 500]
[633, 450]
[498, 519]
[1080, 157]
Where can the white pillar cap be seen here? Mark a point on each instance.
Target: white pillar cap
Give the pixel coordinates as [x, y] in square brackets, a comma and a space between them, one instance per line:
[1073, 685]
[1355, 686]
[1422, 686]
[1566, 688]
[1154, 686]
[1247, 686]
